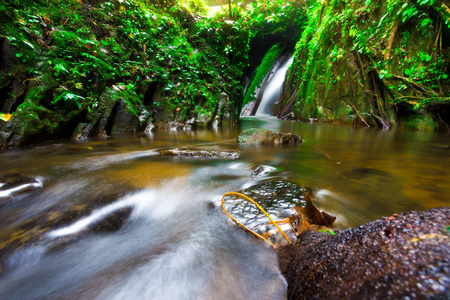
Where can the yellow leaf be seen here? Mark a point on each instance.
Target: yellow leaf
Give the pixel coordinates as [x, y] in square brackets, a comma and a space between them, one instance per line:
[80, 1]
[46, 19]
[5, 117]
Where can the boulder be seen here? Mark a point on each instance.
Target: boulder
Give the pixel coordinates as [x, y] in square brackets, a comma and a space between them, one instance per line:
[37, 119]
[119, 111]
[265, 136]
[398, 257]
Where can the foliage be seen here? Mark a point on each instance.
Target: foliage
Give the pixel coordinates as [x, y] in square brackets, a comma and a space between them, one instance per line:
[370, 55]
[261, 72]
[86, 48]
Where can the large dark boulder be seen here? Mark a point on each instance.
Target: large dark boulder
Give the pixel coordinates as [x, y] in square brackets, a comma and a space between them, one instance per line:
[400, 257]
[119, 110]
[38, 119]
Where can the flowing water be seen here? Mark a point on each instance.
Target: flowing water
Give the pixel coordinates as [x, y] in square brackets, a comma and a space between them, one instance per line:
[272, 92]
[173, 244]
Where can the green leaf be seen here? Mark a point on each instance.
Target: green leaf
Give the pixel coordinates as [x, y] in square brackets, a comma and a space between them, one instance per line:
[426, 22]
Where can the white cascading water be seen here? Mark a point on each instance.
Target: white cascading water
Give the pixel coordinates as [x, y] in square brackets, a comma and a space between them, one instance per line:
[272, 93]
[174, 245]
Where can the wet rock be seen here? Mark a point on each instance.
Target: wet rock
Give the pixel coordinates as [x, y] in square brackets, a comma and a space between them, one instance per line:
[247, 109]
[124, 121]
[204, 119]
[199, 153]
[6, 53]
[12, 184]
[275, 197]
[402, 256]
[37, 120]
[265, 136]
[112, 222]
[34, 232]
[118, 111]
[262, 171]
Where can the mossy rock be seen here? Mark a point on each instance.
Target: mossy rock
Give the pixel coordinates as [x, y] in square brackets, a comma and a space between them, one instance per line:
[423, 122]
[34, 123]
[119, 110]
[264, 136]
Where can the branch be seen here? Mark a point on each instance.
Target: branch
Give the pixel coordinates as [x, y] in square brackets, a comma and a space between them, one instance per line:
[391, 41]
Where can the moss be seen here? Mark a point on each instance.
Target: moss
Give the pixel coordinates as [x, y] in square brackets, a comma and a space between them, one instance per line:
[261, 72]
[371, 57]
[421, 121]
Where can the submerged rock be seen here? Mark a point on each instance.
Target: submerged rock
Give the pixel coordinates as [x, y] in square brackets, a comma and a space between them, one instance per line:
[109, 224]
[405, 255]
[364, 173]
[12, 184]
[36, 231]
[277, 198]
[200, 153]
[265, 136]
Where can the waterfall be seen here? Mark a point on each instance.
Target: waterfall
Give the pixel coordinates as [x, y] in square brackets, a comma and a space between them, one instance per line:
[272, 92]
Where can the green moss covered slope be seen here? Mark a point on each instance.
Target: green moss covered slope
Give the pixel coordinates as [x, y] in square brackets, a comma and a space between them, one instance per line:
[372, 62]
[179, 64]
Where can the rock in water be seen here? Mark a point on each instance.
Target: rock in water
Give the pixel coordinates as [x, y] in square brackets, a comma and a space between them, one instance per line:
[265, 136]
[12, 184]
[400, 257]
[201, 153]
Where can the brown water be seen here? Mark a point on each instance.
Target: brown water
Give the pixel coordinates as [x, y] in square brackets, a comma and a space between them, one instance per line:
[173, 246]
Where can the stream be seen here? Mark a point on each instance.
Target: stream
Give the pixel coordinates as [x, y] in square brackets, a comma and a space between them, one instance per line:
[172, 240]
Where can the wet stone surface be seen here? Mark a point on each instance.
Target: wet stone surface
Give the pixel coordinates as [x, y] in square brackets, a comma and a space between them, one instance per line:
[257, 136]
[14, 183]
[398, 257]
[275, 197]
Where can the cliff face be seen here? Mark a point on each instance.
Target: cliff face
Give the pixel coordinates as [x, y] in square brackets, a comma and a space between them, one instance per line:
[377, 63]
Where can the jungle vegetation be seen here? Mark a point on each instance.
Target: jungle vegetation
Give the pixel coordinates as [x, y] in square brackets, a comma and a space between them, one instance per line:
[186, 61]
